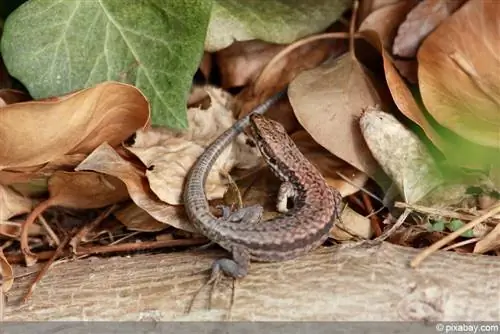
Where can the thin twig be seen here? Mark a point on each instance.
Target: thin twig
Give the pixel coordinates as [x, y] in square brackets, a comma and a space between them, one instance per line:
[49, 230]
[462, 243]
[128, 236]
[46, 267]
[399, 222]
[374, 221]
[372, 195]
[452, 236]
[75, 241]
[129, 247]
[135, 246]
[439, 212]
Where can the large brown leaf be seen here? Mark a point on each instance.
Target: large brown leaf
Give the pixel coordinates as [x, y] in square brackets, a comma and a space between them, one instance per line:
[328, 101]
[469, 155]
[459, 66]
[37, 132]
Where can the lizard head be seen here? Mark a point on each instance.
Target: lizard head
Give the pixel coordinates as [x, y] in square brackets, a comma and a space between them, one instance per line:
[277, 148]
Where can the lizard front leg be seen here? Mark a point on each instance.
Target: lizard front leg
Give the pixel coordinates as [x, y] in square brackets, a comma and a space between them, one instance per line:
[286, 192]
[250, 214]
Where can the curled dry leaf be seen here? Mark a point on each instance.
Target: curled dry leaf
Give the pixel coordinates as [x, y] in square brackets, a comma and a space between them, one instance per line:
[37, 132]
[6, 273]
[457, 73]
[12, 203]
[105, 160]
[423, 19]
[400, 154]
[328, 101]
[351, 225]
[136, 219]
[169, 155]
[406, 160]
[385, 22]
[329, 165]
[400, 92]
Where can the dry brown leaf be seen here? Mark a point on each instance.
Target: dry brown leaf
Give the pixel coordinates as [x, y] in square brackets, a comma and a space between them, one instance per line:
[242, 62]
[476, 156]
[12, 203]
[328, 101]
[37, 132]
[329, 165]
[206, 64]
[282, 112]
[169, 155]
[400, 92]
[351, 225]
[408, 69]
[490, 242]
[423, 19]
[105, 160]
[385, 23]
[35, 188]
[26, 175]
[85, 190]
[6, 273]
[458, 73]
[290, 63]
[66, 163]
[386, 20]
[136, 219]
[367, 7]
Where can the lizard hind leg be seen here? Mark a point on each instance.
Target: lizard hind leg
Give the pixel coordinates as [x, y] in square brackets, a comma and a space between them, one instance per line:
[236, 267]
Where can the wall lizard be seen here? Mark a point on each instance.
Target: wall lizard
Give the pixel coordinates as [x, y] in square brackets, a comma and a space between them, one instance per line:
[301, 229]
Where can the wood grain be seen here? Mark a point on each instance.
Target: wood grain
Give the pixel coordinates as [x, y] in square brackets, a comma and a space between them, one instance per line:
[363, 282]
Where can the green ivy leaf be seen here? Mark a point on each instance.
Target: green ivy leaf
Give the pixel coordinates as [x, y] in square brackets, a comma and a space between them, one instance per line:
[455, 224]
[437, 226]
[54, 47]
[277, 21]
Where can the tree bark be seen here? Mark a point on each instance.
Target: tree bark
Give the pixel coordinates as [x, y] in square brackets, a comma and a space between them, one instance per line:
[371, 281]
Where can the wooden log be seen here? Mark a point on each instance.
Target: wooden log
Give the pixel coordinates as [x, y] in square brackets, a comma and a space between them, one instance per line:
[371, 281]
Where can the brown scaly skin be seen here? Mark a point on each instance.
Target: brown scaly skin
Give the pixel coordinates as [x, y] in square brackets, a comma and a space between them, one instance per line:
[305, 227]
